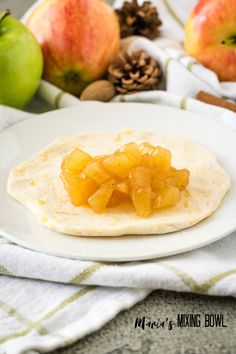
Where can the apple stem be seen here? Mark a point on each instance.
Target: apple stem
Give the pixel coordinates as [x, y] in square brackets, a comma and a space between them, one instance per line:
[229, 41]
[4, 14]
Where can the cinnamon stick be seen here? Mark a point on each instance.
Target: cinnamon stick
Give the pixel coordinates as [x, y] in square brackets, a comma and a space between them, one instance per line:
[215, 101]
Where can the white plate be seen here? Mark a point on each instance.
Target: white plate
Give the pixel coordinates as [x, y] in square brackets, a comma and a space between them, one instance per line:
[20, 141]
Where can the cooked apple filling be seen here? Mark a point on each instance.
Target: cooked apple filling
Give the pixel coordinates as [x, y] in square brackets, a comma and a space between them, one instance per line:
[141, 175]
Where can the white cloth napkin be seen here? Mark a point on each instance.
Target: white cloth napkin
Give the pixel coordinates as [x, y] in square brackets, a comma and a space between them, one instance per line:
[48, 302]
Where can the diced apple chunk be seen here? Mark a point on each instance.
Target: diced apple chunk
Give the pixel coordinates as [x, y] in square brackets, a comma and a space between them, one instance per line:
[123, 187]
[99, 200]
[95, 171]
[140, 177]
[133, 152]
[116, 199]
[179, 179]
[167, 198]
[118, 164]
[147, 161]
[76, 161]
[162, 159]
[142, 201]
[68, 175]
[157, 183]
[80, 190]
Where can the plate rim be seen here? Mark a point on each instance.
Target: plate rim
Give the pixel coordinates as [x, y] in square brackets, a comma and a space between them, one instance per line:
[104, 104]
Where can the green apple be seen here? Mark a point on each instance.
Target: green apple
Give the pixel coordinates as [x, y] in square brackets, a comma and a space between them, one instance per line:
[21, 62]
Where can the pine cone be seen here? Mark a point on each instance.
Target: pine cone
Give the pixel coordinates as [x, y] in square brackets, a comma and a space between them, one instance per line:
[138, 19]
[135, 72]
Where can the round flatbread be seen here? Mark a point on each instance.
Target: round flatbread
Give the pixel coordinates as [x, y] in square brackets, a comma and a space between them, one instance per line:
[37, 184]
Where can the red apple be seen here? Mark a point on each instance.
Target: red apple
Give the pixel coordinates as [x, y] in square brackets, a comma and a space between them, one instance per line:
[210, 36]
[79, 39]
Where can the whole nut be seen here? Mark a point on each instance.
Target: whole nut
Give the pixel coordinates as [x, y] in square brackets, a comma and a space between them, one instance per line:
[101, 90]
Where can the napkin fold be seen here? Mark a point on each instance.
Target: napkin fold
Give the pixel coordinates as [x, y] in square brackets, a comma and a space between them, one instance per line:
[47, 302]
